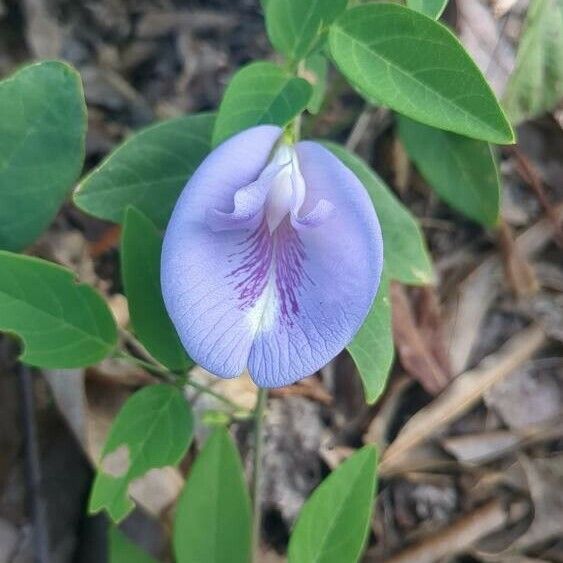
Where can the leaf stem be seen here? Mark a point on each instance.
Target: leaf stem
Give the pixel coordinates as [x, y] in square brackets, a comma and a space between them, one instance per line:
[170, 377]
[257, 471]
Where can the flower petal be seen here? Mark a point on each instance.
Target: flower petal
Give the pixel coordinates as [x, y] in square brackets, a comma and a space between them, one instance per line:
[284, 300]
[197, 262]
[340, 258]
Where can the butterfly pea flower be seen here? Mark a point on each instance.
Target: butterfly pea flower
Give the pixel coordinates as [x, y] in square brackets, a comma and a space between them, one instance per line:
[271, 259]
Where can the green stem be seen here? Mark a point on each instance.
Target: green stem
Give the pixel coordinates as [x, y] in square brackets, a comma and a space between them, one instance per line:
[173, 378]
[257, 473]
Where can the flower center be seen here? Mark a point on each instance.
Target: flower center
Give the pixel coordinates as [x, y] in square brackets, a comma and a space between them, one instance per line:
[287, 190]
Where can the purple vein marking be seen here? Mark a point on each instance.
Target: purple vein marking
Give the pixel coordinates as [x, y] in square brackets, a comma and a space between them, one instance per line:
[280, 254]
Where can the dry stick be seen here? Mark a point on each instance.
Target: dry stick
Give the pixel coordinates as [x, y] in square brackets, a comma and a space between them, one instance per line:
[377, 118]
[530, 175]
[360, 128]
[259, 413]
[460, 535]
[464, 392]
[32, 466]
[480, 289]
[518, 271]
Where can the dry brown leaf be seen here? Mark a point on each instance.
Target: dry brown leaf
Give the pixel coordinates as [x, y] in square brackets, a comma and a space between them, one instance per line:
[518, 271]
[401, 166]
[464, 392]
[533, 385]
[530, 175]
[480, 448]
[416, 344]
[456, 537]
[470, 304]
[482, 36]
[488, 446]
[545, 480]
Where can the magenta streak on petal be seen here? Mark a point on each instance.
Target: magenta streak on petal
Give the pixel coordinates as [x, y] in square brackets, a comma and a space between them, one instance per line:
[264, 254]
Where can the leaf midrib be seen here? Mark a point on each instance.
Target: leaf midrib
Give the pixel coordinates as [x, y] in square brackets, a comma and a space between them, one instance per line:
[61, 320]
[339, 511]
[392, 64]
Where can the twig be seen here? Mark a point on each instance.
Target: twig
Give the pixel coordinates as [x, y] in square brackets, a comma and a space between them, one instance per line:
[378, 117]
[257, 471]
[464, 392]
[32, 466]
[172, 378]
[461, 535]
[530, 175]
[519, 272]
[360, 127]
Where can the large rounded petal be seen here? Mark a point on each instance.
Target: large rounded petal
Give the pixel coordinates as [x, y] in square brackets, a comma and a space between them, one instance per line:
[326, 276]
[198, 261]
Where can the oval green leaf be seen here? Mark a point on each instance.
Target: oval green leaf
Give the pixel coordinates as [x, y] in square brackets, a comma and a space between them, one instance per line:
[260, 93]
[141, 246]
[417, 67]
[333, 524]
[153, 429]
[406, 256]
[431, 8]
[372, 348]
[42, 130]
[536, 85]
[295, 27]
[148, 171]
[212, 523]
[62, 323]
[461, 170]
[123, 550]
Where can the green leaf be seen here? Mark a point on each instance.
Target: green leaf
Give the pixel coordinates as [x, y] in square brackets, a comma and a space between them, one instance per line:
[123, 550]
[406, 257]
[260, 93]
[536, 85]
[141, 245]
[212, 522]
[431, 8]
[153, 429]
[372, 348]
[316, 70]
[148, 171]
[417, 67]
[63, 324]
[295, 27]
[333, 524]
[42, 130]
[462, 170]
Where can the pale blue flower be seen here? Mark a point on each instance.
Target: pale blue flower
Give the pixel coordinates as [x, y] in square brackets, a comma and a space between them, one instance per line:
[272, 258]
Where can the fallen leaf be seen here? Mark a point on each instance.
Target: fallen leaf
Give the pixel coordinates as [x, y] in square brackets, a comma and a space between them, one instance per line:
[457, 537]
[545, 480]
[482, 36]
[464, 392]
[418, 345]
[469, 305]
[533, 385]
[518, 270]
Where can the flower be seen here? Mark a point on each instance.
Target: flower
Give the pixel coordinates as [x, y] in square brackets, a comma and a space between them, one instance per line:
[272, 258]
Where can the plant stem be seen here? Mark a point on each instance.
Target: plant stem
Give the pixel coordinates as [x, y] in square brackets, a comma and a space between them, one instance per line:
[257, 473]
[173, 378]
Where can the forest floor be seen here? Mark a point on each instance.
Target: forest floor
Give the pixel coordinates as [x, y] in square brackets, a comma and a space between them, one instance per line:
[470, 428]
